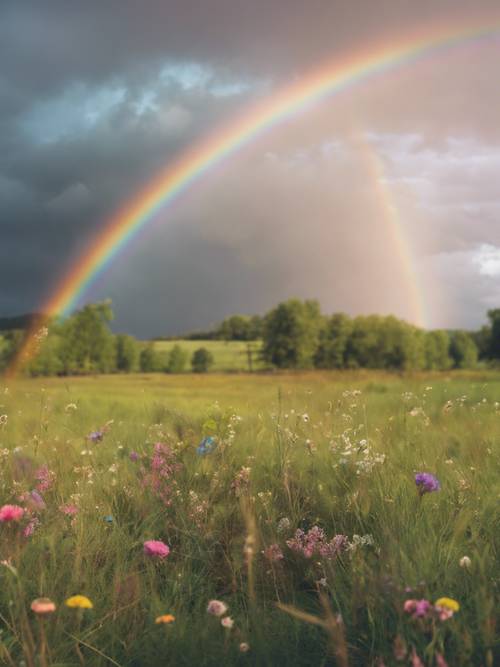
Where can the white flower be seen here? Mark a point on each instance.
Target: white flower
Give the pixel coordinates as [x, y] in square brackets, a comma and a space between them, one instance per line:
[216, 607]
[227, 622]
[465, 561]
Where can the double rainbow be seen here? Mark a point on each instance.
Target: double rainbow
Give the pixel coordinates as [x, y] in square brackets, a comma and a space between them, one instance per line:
[332, 78]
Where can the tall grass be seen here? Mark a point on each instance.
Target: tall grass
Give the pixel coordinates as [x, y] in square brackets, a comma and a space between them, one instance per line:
[337, 451]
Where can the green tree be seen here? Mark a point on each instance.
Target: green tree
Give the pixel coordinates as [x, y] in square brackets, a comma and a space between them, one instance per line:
[177, 360]
[333, 340]
[127, 353]
[494, 317]
[149, 359]
[437, 345]
[463, 350]
[87, 344]
[291, 334]
[202, 360]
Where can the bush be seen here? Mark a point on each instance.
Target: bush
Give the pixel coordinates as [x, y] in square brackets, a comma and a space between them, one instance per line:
[201, 360]
[177, 360]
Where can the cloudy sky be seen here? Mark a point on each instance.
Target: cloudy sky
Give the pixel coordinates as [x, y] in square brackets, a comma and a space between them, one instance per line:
[385, 198]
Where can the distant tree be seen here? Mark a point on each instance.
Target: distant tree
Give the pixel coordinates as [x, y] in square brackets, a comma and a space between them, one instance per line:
[127, 353]
[177, 360]
[10, 345]
[291, 334]
[463, 350]
[202, 360]
[436, 346]
[333, 340]
[149, 359]
[494, 317]
[482, 339]
[87, 344]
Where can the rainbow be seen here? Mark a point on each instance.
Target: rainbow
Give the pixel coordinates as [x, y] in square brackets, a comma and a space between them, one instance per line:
[332, 78]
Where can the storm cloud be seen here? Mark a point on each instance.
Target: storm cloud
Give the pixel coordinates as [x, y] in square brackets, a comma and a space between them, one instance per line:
[96, 97]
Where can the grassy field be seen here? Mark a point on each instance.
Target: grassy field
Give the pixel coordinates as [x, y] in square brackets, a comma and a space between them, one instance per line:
[114, 461]
[228, 355]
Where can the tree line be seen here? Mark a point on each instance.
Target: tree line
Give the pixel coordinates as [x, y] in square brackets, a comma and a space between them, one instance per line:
[294, 335]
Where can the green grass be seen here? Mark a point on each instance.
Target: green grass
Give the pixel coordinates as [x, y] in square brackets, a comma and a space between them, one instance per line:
[229, 356]
[288, 446]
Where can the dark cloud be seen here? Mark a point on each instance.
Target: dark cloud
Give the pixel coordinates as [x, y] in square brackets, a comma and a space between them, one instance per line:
[96, 97]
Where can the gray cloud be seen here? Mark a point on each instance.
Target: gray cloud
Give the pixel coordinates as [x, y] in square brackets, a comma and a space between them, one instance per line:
[96, 97]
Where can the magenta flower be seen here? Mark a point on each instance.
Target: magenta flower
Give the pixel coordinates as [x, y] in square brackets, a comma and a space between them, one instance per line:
[417, 608]
[156, 549]
[273, 553]
[426, 483]
[134, 456]
[11, 513]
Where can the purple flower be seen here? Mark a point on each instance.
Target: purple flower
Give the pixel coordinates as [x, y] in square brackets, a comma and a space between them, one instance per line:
[96, 436]
[134, 456]
[426, 483]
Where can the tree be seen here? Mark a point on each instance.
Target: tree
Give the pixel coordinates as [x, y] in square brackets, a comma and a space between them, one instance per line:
[177, 360]
[437, 345]
[149, 360]
[463, 350]
[333, 339]
[127, 353]
[291, 334]
[87, 344]
[201, 360]
[494, 317]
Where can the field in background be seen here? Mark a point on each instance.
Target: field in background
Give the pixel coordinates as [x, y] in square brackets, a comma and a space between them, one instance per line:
[229, 356]
[294, 451]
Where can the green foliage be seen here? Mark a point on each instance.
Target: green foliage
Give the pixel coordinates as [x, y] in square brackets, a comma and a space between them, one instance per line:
[87, 344]
[202, 360]
[149, 359]
[127, 353]
[463, 350]
[333, 340]
[494, 317]
[436, 346]
[292, 333]
[177, 360]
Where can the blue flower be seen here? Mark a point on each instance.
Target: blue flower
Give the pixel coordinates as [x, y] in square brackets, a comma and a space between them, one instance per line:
[206, 446]
[108, 519]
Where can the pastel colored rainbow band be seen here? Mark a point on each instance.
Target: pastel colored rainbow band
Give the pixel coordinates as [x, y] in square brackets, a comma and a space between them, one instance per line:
[338, 75]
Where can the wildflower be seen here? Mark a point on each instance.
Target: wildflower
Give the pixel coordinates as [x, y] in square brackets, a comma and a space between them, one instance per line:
[216, 607]
[465, 561]
[134, 456]
[426, 483]
[273, 553]
[440, 661]
[95, 436]
[79, 602]
[156, 549]
[446, 607]
[244, 647]
[283, 525]
[227, 622]
[3, 420]
[206, 446]
[43, 606]
[11, 513]
[415, 660]
[69, 509]
[70, 407]
[31, 527]
[417, 608]
[34, 501]
[165, 618]
[45, 478]
[108, 518]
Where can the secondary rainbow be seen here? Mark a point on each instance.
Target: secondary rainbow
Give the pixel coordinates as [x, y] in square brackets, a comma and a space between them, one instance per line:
[332, 78]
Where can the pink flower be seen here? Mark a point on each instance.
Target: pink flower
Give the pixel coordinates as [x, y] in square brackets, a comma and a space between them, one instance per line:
[156, 549]
[415, 660]
[227, 622]
[440, 661]
[11, 513]
[273, 553]
[69, 509]
[216, 607]
[418, 608]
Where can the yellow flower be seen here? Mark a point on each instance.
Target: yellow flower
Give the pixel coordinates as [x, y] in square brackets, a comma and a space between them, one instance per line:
[79, 602]
[448, 603]
[166, 618]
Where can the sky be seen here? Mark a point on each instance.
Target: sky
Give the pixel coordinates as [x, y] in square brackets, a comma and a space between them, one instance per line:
[384, 199]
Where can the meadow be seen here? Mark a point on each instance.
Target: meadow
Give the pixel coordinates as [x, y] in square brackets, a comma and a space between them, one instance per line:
[229, 356]
[267, 519]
